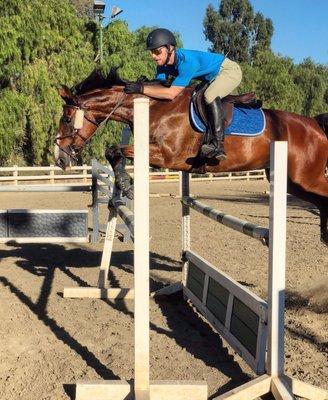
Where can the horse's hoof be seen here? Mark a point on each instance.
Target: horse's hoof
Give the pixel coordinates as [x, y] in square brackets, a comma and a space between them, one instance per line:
[129, 193]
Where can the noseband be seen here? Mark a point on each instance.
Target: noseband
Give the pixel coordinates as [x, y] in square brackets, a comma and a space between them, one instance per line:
[72, 150]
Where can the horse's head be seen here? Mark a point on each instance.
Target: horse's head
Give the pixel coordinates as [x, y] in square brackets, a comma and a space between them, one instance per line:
[76, 127]
[94, 100]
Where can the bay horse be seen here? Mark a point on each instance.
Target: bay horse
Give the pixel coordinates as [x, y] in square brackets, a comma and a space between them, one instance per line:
[176, 145]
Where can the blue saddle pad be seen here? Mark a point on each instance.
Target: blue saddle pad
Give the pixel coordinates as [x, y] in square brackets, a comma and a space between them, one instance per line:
[245, 121]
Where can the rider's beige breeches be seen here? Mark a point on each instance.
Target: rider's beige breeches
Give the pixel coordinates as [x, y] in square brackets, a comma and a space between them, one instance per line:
[226, 81]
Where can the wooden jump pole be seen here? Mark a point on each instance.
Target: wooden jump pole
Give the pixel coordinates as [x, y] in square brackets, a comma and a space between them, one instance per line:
[141, 248]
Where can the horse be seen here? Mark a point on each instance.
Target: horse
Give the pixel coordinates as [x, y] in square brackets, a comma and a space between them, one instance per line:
[175, 144]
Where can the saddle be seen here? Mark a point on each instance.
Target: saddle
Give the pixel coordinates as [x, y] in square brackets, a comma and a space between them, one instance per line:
[228, 103]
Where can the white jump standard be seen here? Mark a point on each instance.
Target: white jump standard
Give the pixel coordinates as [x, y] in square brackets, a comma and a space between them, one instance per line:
[242, 318]
[103, 183]
[142, 388]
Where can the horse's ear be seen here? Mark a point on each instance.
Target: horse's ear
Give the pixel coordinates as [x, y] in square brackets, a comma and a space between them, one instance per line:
[65, 93]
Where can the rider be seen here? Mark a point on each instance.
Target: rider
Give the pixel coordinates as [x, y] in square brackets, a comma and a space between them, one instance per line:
[184, 65]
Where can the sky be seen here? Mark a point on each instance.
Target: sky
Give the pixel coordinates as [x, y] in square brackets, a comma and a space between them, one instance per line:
[300, 26]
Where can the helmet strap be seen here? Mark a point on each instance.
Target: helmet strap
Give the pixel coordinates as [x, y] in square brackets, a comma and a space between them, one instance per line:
[169, 53]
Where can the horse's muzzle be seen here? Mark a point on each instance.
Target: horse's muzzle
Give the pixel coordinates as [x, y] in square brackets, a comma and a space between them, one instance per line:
[63, 160]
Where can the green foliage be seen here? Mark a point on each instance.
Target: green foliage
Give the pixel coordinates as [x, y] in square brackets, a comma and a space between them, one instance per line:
[271, 77]
[84, 8]
[41, 45]
[45, 44]
[312, 80]
[11, 138]
[236, 31]
[283, 85]
[126, 50]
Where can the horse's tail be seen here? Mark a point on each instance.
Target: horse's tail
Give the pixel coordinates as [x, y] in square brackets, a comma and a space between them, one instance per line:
[322, 120]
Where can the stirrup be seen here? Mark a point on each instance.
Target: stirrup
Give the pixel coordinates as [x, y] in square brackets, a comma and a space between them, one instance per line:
[212, 151]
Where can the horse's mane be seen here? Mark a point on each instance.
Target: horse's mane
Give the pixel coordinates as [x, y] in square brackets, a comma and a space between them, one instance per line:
[98, 80]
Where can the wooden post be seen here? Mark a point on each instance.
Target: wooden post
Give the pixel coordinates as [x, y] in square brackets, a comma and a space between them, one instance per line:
[15, 174]
[84, 172]
[141, 247]
[277, 262]
[52, 174]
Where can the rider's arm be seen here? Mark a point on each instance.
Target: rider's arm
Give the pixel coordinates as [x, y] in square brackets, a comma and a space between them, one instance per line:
[161, 92]
[186, 72]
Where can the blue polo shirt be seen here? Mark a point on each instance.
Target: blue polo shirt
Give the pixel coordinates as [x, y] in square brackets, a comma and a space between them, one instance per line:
[191, 64]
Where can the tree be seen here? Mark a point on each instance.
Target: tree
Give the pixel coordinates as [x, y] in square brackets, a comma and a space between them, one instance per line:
[41, 45]
[272, 78]
[84, 8]
[236, 31]
[312, 79]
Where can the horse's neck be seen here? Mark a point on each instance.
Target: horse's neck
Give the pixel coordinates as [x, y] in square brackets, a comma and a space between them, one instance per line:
[106, 103]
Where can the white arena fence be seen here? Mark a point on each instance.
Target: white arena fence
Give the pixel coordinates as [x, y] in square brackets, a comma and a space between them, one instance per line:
[81, 175]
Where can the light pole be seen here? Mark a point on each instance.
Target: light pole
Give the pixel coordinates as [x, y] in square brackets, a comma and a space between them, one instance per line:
[98, 10]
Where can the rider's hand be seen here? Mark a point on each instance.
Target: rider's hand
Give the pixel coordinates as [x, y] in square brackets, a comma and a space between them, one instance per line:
[134, 87]
[143, 79]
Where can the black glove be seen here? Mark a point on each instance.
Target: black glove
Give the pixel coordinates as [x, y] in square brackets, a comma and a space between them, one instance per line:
[143, 79]
[134, 87]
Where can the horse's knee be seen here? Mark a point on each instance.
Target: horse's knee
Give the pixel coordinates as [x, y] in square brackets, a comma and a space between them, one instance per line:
[110, 152]
[114, 155]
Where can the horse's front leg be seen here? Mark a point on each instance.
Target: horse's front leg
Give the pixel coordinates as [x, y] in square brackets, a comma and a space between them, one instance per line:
[116, 157]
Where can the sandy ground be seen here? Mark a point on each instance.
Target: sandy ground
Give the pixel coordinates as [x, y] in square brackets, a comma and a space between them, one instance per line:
[48, 342]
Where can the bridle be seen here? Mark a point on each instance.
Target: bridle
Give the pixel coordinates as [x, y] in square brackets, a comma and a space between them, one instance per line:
[72, 150]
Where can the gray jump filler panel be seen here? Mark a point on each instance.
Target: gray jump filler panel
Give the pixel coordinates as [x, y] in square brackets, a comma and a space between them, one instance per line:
[28, 226]
[238, 314]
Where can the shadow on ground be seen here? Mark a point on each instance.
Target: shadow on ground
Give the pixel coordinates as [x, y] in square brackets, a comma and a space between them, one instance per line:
[184, 325]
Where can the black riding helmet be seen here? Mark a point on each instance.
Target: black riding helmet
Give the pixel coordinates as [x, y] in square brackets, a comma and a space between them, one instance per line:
[160, 37]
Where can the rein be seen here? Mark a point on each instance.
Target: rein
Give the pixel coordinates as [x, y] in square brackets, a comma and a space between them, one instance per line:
[73, 151]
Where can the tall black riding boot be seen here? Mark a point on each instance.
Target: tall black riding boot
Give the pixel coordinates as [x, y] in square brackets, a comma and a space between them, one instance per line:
[215, 148]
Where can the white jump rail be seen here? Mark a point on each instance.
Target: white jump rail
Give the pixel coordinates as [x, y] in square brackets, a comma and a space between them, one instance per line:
[142, 388]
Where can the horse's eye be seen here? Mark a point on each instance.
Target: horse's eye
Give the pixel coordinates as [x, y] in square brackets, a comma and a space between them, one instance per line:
[66, 119]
